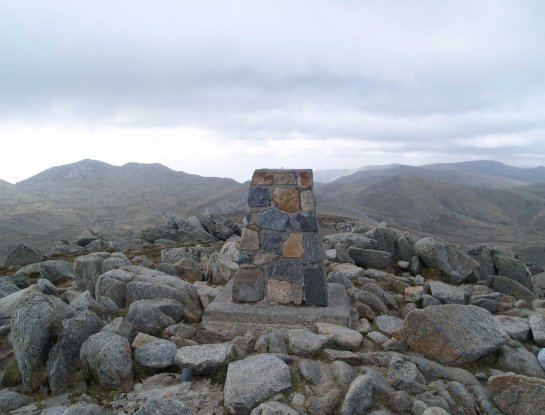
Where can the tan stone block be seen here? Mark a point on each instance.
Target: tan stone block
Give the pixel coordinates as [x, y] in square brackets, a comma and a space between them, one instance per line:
[262, 178]
[304, 179]
[284, 178]
[293, 247]
[307, 201]
[284, 292]
[286, 199]
[266, 258]
[249, 240]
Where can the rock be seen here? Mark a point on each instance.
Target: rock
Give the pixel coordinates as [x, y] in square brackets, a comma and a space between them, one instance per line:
[46, 287]
[122, 327]
[273, 219]
[342, 337]
[369, 258]
[315, 373]
[518, 395]
[220, 269]
[84, 408]
[404, 375]
[404, 246]
[541, 358]
[392, 326]
[274, 408]
[205, 358]
[174, 255]
[129, 284]
[23, 255]
[253, 380]
[519, 360]
[108, 356]
[537, 324]
[340, 254]
[7, 288]
[489, 302]
[377, 337]
[87, 269]
[414, 294]
[231, 251]
[483, 255]
[143, 339]
[85, 301]
[513, 288]
[514, 269]
[10, 400]
[64, 355]
[57, 271]
[456, 265]
[33, 327]
[471, 334]
[158, 355]
[350, 271]
[153, 316]
[305, 343]
[517, 327]
[385, 238]
[359, 397]
[448, 294]
[357, 240]
[158, 406]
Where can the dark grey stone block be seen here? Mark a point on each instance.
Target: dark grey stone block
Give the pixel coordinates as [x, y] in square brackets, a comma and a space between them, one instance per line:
[313, 248]
[271, 242]
[304, 223]
[315, 286]
[259, 197]
[288, 271]
[248, 285]
[273, 219]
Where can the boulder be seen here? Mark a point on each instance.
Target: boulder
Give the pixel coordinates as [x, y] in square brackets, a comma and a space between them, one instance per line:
[57, 271]
[483, 255]
[513, 288]
[370, 258]
[122, 327]
[231, 251]
[514, 269]
[205, 358]
[84, 408]
[340, 336]
[539, 283]
[220, 269]
[173, 255]
[253, 380]
[359, 397]
[347, 270]
[357, 240]
[391, 325]
[305, 343]
[385, 238]
[23, 255]
[537, 324]
[404, 246]
[519, 360]
[161, 406]
[153, 316]
[157, 355]
[33, 326]
[64, 355]
[448, 294]
[454, 264]
[10, 400]
[108, 356]
[87, 269]
[518, 395]
[274, 408]
[517, 327]
[129, 284]
[7, 288]
[452, 333]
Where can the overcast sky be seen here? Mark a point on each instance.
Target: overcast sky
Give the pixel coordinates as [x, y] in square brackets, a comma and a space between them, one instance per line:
[220, 88]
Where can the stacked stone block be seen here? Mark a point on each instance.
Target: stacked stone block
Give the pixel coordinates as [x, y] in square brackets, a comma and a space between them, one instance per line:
[282, 258]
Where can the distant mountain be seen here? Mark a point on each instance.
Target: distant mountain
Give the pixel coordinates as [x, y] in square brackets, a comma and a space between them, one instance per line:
[61, 201]
[483, 173]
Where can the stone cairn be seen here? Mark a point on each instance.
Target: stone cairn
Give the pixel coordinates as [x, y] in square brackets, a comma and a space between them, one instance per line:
[282, 257]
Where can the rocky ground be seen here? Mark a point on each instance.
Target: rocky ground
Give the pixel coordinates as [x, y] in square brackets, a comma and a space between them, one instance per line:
[435, 329]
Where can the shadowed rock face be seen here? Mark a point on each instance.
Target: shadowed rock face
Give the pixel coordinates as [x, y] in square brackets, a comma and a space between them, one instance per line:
[284, 254]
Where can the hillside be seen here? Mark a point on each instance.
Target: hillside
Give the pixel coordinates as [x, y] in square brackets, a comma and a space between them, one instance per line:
[61, 201]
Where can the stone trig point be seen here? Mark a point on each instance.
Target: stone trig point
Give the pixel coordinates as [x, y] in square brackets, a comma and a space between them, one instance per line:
[282, 253]
[281, 280]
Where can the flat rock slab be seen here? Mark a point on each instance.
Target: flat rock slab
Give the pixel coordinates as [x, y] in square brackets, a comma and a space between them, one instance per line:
[223, 311]
[205, 358]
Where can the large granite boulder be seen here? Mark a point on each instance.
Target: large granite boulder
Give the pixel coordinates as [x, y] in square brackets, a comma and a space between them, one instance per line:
[108, 356]
[129, 284]
[220, 269]
[87, 268]
[508, 286]
[64, 355]
[370, 258]
[154, 315]
[483, 255]
[518, 395]
[514, 269]
[254, 380]
[23, 255]
[385, 238]
[452, 333]
[33, 326]
[453, 263]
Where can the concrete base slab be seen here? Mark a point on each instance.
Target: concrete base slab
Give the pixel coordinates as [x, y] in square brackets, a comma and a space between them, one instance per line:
[238, 317]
